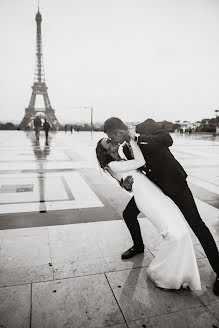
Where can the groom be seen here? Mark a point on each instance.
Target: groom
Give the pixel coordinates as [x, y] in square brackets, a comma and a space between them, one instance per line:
[166, 172]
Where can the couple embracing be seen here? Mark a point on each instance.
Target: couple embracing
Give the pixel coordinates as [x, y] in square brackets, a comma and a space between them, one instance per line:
[160, 192]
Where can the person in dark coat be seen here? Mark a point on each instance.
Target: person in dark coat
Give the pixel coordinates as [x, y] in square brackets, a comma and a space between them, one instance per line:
[46, 128]
[37, 126]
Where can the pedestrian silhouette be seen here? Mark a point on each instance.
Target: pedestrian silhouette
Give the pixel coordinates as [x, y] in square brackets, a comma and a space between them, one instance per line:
[37, 126]
[46, 127]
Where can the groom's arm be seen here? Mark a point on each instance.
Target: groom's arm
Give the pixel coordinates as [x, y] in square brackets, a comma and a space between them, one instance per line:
[152, 136]
[155, 140]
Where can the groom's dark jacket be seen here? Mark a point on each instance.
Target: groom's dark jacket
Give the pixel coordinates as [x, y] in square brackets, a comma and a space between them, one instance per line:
[161, 166]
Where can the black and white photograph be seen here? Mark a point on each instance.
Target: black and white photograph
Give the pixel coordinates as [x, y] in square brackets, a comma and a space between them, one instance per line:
[109, 164]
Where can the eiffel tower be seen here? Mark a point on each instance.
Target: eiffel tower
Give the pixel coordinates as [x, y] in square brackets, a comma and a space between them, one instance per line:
[39, 87]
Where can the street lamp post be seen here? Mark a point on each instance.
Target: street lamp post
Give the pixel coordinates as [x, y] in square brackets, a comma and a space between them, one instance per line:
[91, 121]
[91, 118]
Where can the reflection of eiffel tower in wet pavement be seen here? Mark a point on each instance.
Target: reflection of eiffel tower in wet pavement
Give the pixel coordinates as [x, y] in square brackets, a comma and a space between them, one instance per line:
[41, 155]
[39, 87]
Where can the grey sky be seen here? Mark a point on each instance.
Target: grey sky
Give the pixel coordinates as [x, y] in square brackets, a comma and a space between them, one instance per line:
[128, 58]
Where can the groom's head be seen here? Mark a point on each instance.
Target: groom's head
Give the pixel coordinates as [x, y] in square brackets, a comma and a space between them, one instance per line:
[116, 130]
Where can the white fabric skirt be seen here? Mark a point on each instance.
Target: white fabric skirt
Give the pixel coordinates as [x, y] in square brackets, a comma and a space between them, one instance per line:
[174, 265]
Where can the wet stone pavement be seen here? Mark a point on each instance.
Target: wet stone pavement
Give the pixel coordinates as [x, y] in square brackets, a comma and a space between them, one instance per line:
[62, 235]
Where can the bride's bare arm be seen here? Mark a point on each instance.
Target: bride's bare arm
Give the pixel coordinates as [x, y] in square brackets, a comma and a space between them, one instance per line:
[132, 164]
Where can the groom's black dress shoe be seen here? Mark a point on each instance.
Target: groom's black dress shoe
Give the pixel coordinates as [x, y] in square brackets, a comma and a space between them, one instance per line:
[132, 252]
[216, 286]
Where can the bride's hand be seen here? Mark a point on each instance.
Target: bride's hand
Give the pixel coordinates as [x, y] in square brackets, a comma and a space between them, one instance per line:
[127, 183]
[132, 132]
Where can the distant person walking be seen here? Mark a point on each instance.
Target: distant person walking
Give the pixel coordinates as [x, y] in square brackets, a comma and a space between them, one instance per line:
[46, 128]
[37, 126]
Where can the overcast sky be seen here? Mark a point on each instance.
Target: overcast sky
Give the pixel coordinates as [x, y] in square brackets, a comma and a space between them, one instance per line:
[128, 58]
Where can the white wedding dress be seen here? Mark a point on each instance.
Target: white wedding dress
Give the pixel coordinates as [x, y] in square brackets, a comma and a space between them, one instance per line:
[174, 265]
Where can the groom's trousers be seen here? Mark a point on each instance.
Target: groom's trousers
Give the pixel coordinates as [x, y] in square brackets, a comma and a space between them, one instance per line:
[185, 201]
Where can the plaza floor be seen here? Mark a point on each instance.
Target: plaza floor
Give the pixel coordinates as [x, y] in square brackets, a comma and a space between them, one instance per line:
[62, 235]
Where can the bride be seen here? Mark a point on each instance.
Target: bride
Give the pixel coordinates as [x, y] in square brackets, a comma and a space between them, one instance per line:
[174, 265]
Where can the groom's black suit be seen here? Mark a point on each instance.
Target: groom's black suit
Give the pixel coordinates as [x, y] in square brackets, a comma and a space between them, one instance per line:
[164, 170]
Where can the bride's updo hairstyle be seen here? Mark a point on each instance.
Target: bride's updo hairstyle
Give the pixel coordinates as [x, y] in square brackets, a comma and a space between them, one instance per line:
[103, 157]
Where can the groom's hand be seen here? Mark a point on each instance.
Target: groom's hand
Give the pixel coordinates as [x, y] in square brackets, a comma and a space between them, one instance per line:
[127, 183]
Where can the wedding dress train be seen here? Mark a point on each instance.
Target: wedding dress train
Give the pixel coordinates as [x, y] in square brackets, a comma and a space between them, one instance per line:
[174, 265]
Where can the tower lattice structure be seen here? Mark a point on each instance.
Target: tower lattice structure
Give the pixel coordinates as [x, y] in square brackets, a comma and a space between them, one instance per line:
[39, 87]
